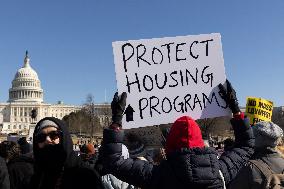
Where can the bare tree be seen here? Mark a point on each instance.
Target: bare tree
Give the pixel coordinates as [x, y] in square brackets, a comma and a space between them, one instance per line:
[77, 122]
[207, 125]
[90, 109]
[105, 112]
[86, 120]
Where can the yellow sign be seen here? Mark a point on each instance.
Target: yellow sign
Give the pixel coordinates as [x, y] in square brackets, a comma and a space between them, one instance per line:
[258, 109]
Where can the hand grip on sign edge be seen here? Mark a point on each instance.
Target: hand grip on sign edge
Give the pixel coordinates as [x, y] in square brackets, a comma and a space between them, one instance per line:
[230, 97]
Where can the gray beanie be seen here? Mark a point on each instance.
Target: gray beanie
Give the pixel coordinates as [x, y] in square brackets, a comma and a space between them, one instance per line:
[266, 134]
[46, 123]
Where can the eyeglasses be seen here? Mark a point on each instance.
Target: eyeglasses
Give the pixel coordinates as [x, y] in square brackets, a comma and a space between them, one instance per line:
[53, 135]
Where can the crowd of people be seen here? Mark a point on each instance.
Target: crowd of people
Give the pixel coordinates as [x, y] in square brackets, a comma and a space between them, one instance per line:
[251, 160]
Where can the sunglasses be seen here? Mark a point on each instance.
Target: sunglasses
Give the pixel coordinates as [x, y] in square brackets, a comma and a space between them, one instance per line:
[53, 135]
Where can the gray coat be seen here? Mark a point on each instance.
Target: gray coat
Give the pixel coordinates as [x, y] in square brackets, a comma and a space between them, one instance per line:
[111, 182]
[250, 177]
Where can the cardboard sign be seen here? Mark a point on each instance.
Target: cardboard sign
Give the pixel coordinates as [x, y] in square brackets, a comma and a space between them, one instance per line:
[258, 109]
[170, 77]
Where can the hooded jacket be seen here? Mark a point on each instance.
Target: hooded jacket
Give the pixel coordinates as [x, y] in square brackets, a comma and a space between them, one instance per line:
[189, 164]
[59, 167]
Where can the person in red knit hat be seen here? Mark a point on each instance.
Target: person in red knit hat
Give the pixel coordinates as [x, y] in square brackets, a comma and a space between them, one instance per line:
[185, 133]
[189, 163]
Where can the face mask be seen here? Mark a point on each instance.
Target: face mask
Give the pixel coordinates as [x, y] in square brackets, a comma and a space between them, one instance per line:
[51, 157]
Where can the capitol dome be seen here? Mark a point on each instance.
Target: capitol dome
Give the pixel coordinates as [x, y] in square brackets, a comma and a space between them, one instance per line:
[26, 84]
[26, 72]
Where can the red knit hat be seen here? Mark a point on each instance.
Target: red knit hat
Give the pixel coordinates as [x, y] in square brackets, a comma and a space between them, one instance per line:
[184, 133]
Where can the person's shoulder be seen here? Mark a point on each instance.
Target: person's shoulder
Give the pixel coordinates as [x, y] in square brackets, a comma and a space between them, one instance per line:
[253, 166]
[22, 159]
[82, 173]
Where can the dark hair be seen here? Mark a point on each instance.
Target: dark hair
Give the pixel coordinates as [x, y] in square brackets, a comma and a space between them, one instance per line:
[130, 137]
[9, 150]
[22, 140]
[25, 147]
[228, 144]
[135, 146]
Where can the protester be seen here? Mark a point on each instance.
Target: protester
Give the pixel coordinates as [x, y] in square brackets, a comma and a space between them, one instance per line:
[228, 144]
[9, 150]
[136, 147]
[56, 164]
[4, 175]
[189, 164]
[88, 154]
[25, 147]
[20, 167]
[267, 136]
[111, 182]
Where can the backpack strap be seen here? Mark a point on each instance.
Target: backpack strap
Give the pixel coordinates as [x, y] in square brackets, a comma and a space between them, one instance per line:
[263, 167]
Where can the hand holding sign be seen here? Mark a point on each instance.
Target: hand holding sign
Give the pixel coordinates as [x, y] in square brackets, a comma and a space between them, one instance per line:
[230, 97]
[118, 106]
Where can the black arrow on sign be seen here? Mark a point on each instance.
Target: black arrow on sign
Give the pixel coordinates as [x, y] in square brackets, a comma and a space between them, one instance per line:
[129, 113]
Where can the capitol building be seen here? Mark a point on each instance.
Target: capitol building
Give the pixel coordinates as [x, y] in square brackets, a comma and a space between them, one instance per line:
[26, 95]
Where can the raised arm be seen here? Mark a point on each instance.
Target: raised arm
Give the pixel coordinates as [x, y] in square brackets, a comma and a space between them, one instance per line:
[232, 161]
[132, 171]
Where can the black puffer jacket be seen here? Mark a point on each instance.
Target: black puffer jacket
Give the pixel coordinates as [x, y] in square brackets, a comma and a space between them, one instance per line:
[189, 168]
[73, 173]
[184, 168]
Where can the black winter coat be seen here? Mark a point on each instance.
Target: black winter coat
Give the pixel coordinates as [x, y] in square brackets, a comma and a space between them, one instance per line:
[4, 175]
[187, 168]
[20, 170]
[73, 174]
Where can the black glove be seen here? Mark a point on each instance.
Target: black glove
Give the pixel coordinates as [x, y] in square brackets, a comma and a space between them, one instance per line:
[230, 97]
[118, 106]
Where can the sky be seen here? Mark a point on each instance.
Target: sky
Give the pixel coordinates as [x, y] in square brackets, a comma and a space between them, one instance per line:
[70, 42]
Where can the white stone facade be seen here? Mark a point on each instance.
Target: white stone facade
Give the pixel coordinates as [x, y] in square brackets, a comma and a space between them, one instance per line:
[25, 95]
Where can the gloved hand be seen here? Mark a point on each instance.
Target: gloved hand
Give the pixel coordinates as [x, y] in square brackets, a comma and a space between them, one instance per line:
[118, 106]
[230, 97]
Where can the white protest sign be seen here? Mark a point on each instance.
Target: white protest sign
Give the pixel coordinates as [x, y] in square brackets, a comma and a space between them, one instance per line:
[165, 78]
